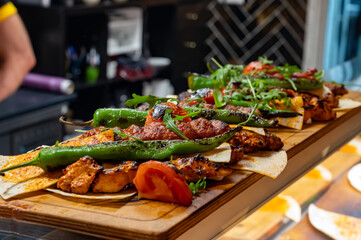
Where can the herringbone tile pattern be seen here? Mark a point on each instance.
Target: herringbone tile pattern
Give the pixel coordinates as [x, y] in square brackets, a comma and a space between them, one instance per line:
[272, 28]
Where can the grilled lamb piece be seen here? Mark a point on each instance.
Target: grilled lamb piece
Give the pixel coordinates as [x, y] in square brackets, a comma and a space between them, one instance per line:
[92, 132]
[198, 167]
[199, 128]
[79, 176]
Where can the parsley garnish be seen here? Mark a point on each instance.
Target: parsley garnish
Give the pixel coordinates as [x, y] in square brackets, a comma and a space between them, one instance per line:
[201, 184]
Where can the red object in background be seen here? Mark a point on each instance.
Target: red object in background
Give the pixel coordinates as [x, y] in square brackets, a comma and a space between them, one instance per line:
[134, 74]
[159, 181]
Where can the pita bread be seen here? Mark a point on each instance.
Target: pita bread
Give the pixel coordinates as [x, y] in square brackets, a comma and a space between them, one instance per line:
[334, 225]
[269, 163]
[32, 178]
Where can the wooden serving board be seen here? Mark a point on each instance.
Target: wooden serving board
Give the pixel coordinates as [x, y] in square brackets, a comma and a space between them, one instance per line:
[265, 224]
[221, 206]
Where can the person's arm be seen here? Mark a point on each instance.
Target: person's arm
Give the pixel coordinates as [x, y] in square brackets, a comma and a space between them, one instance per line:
[16, 55]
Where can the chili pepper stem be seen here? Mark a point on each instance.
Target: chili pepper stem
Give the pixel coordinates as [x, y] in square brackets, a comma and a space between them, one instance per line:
[34, 162]
[81, 124]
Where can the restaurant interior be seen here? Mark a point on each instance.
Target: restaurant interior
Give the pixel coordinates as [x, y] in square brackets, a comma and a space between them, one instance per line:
[94, 54]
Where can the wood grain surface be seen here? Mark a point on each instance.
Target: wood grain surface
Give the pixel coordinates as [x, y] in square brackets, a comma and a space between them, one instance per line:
[151, 219]
[263, 224]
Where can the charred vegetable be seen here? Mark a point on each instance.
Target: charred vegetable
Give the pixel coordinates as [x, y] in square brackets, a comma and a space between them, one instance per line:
[58, 157]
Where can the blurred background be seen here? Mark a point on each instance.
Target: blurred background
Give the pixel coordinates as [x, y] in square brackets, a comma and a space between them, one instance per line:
[109, 49]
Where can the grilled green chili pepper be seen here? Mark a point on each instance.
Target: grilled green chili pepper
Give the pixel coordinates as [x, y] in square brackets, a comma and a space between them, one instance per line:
[197, 81]
[58, 157]
[267, 113]
[302, 84]
[120, 117]
[232, 117]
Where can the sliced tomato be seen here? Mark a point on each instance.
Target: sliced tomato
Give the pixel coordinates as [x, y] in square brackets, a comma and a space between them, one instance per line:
[159, 181]
[209, 98]
[257, 66]
[177, 110]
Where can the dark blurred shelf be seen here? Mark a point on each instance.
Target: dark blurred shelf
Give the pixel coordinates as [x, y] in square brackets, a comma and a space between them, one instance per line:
[105, 6]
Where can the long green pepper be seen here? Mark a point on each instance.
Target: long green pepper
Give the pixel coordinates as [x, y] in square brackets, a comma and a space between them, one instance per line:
[124, 117]
[58, 157]
[196, 82]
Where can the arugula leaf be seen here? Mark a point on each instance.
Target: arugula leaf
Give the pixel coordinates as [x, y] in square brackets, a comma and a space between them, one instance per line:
[80, 130]
[249, 117]
[319, 75]
[152, 100]
[120, 133]
[265, 60]
[217, 63]
[171, 159]
[57, 143]
[192, 114]
[169, 123]
[201, 184]
[292, 83]
[218, 98]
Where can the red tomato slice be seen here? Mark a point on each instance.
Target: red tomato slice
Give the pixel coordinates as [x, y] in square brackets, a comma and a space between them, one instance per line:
[159, 181]
[209, 98]
[257, 66]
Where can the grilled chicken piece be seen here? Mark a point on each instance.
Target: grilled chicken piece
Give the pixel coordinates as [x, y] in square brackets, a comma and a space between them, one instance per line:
[79, 176]
[337, 89]
[198, 167]
[317, 109]
[115, 179]
[252, 142]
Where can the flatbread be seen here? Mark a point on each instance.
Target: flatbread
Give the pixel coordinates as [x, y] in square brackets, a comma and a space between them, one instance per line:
[295, 122]
[346, 104]
[221, 154]
[334, 225]
[269, 163]
[32, 178]
[125, 194]
[354, 177]
[319, 172]
[284, 204]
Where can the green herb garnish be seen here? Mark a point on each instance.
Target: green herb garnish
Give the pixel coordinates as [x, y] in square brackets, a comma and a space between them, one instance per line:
[200, 185]
[80, 130]
[264, 60]
[120, 133]
[170, 124]
[152, 100]
[179, 118]
[171, 159]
